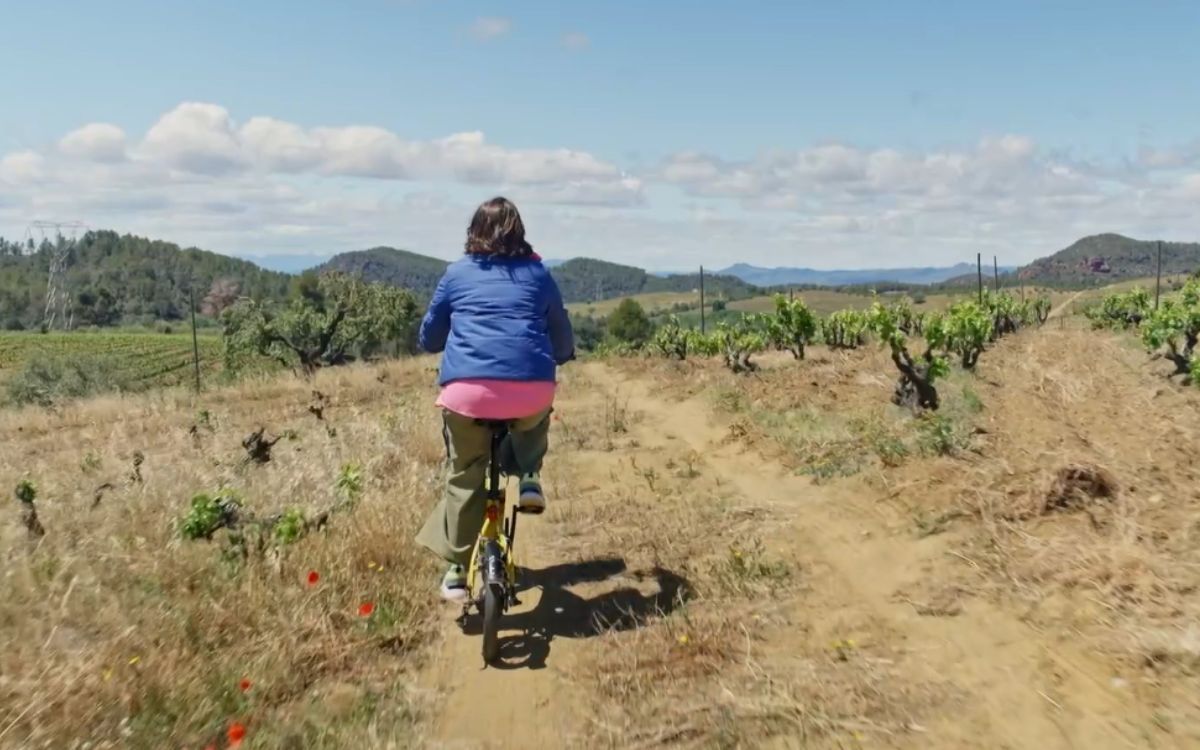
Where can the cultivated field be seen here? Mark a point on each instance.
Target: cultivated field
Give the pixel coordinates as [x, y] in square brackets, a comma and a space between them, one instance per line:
[781, 559]
[142, 358]
[820, 301]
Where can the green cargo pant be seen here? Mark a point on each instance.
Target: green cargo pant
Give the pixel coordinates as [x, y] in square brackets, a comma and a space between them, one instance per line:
[455, 522]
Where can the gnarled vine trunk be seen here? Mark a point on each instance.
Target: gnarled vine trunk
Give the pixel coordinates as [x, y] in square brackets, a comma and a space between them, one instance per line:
[915, 388]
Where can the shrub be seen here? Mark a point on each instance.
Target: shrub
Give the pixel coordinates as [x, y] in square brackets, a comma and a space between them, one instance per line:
[845, 329]
[741, 340]
[964, 331]
[1175, 326]
[672, 340]
[792, 327]
[1121, 310]
[915, 389]
[50, 379]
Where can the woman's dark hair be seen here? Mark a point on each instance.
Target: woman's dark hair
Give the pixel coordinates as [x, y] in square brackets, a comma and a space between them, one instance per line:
[497, 230]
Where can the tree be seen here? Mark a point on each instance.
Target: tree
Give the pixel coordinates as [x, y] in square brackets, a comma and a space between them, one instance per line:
[589, 332]
[221, 295]
[340, 320]
[792, 327]
[630, 324]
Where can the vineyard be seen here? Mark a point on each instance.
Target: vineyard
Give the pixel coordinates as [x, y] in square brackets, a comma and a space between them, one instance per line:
[139, 360]
[885, 526]
[960, 333]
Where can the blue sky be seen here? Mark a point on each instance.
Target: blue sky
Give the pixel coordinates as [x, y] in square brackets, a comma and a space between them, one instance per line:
[665, 134]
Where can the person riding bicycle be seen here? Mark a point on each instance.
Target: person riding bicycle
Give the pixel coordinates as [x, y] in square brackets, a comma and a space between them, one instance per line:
[498, 316]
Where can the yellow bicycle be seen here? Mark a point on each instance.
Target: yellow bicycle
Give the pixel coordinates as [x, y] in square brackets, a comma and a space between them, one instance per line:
[492, 572]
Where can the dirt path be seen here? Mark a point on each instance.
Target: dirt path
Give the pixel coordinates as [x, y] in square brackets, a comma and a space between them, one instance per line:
[1000, 683]
[1002, 668]
[518, 704]
[1058, 311]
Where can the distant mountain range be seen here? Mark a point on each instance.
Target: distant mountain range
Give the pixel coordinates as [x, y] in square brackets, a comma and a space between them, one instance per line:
[783, 276]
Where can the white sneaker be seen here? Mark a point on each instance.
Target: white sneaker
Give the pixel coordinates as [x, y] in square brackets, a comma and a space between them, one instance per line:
[454, 584]
[532, 499]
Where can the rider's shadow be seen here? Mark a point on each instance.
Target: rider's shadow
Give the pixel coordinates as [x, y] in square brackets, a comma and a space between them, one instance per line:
[561, 613]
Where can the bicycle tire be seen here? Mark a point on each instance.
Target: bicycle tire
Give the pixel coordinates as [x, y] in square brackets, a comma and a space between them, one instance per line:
[493, 605]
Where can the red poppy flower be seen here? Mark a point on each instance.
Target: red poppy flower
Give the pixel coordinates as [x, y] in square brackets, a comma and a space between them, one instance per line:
[313, 578]
[365, 609]
[236, 733]
[244, 685]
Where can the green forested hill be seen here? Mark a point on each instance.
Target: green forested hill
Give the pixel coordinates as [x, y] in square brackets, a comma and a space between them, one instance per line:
[115, 279]
[580, 280]
[589, 280]
[120, 279]
[390, 266]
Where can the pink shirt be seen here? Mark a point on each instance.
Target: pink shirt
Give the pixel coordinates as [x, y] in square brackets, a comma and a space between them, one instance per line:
[481, 398]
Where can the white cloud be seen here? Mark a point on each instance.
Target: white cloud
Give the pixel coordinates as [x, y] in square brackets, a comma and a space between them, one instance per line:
[98, 141]
[490, 27]
[200, 141]
[200, 175]
[576, 40]
[195, 137]
[22, 167]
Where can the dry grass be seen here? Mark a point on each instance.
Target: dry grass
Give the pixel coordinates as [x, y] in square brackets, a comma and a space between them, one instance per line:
[1113, 567]
[119, 633]
[724, 663]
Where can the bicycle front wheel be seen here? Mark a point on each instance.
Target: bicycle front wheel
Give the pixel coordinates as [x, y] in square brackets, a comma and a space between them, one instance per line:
[493, 605]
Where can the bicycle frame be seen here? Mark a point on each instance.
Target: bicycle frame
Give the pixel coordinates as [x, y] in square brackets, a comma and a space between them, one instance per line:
[492, 559]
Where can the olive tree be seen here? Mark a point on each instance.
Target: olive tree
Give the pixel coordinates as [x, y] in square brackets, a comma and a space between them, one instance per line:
[341, 319]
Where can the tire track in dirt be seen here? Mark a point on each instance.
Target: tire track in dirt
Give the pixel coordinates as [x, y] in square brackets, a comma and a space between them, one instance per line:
[521, 703]
[1013, 687]
[530, 701]
[1020, 688]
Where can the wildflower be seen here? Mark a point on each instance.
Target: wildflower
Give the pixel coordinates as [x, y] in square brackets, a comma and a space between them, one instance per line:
[236, 733]
[134, 660]
[244, 685]
[313, 578]
[365, 609]
[683, 639]
[372, 565]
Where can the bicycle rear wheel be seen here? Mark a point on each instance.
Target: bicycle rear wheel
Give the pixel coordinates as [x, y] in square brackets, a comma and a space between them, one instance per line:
[493, 606]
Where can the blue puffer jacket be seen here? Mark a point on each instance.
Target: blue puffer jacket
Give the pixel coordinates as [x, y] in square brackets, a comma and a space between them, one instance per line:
[498, 318]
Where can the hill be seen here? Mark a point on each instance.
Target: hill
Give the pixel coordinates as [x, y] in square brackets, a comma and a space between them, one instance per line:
[114, 279]
[579, 279]
[1105, 258]
[783, 276]
[389, 266]
[589, 280]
